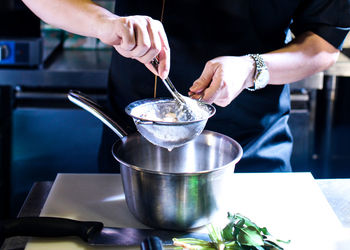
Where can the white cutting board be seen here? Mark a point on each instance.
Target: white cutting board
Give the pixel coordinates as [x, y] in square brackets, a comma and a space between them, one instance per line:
[290, 205]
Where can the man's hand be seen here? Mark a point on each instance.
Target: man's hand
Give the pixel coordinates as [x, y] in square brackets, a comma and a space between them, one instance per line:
[223, 79]
[138, 37]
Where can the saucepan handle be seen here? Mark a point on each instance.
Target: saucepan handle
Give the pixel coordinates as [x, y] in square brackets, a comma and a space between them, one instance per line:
[89, 105]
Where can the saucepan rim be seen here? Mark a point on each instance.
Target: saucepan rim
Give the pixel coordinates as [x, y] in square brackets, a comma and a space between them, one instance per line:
[137, 168]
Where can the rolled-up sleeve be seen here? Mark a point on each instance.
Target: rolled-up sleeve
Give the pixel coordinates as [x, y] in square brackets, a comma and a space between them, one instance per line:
[330, 19]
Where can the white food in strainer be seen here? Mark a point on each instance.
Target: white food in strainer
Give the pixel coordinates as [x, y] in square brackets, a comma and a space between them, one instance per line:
[170, 112]
[172, 126]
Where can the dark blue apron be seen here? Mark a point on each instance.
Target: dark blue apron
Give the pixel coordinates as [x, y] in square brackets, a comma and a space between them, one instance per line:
[199, 31]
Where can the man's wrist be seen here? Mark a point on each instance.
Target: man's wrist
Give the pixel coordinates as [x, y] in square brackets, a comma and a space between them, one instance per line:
[261, 76]
[106, 23]
[249, 81]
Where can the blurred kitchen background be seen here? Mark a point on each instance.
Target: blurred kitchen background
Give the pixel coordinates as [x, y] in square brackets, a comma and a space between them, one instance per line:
[42, 133]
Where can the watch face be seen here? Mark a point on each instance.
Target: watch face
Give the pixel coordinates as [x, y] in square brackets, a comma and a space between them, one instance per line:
[262, 76]
[262, 79]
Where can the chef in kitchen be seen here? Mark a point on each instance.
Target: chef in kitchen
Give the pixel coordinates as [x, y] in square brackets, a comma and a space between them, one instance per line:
[238, 54]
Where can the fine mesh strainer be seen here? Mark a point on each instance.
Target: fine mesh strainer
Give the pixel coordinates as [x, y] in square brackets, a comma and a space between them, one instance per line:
[160, 123]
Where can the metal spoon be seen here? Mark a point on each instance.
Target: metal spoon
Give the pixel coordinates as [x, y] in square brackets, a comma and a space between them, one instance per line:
[170, 86]
[186, 107]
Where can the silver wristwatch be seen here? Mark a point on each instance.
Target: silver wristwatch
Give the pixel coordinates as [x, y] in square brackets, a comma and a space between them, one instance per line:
[262, 75]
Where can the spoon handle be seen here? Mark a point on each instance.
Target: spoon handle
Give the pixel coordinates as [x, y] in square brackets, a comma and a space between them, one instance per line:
[167, 82]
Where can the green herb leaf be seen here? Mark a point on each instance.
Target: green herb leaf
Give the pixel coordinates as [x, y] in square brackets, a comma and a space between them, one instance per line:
[191, 243]
[239, 234]
[272, 245]
[234, 245]
[237, 228]
[250, 236]
[259, 248]
[214, 234]
[227, 232]
[284, 241]
[264, 230]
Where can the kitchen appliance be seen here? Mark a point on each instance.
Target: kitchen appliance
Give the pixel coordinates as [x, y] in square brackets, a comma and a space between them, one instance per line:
[179, 189]
[21, 43]
[21, 51]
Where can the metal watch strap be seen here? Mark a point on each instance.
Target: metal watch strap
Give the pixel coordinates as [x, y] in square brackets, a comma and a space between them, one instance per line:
[260, 67]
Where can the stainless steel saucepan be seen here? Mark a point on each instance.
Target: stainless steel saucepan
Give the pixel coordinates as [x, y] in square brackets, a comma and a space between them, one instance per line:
[179, 189]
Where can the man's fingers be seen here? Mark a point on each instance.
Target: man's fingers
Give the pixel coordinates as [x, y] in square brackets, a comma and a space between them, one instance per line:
[205, 79]
[211, 93]
[205, 87]
[143, 39]
[164, 54]
[155, 43]
[164, 64]
[151, 68]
